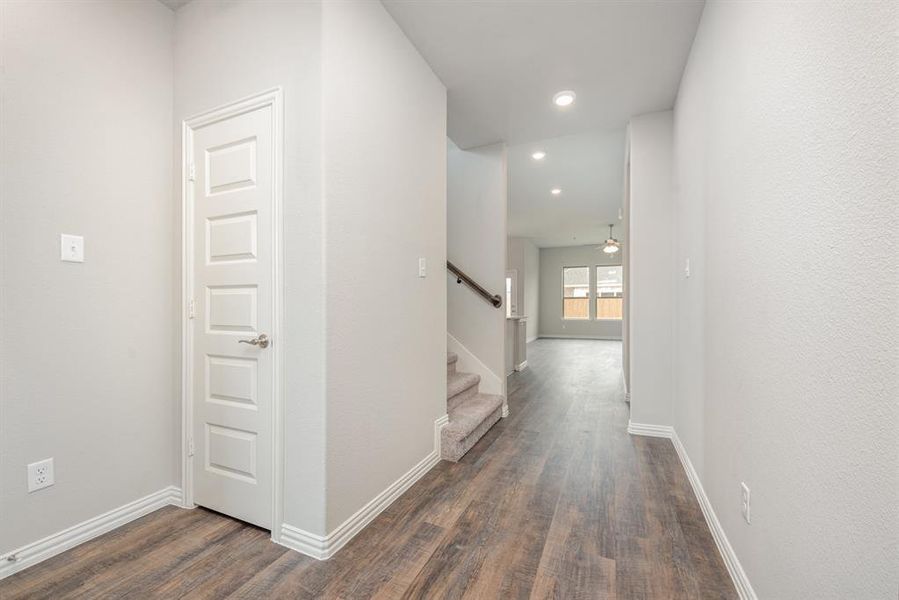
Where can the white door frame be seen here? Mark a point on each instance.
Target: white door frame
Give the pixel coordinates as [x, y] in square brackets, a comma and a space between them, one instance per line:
[273, 98]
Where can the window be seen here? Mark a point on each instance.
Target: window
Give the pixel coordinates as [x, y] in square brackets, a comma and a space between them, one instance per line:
[609, 292]
[576, 293]
[512, 293]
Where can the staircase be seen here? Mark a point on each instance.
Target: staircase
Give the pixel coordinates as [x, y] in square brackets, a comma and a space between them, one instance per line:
[471, 414]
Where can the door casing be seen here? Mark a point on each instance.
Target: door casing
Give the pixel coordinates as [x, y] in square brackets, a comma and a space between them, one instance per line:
[273, 98]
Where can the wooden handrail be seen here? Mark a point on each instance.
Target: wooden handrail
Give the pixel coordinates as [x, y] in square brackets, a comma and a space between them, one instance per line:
[494, 299]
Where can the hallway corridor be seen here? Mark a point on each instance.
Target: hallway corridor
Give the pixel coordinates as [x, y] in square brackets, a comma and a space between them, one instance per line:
[556, 501]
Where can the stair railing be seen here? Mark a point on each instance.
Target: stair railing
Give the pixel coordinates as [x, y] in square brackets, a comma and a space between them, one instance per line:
[494, 299]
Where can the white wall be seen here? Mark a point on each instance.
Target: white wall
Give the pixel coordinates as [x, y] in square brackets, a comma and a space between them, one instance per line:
[385, 193]
[86, 374]
[650, 246]
[364, 185]
[476, 243]
[552, 261]
[786, 135]
[532, 289]
[626, 272]
[364, 198]
[226, 51]
[524, 256]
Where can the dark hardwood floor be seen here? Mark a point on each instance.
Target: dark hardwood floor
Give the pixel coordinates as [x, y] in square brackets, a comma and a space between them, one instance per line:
[557, 501]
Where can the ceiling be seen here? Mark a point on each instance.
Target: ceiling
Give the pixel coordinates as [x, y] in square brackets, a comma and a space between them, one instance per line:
[588, 168]
[502, 61]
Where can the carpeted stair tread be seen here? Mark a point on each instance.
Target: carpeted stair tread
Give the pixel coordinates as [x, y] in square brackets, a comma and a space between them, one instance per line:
[469, 420]
[457, 383]
[451, 358]
[470, 413]
[466, 417]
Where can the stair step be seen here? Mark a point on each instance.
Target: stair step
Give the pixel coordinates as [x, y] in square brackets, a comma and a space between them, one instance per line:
[460, 387]
[468, 422]
[451, 358]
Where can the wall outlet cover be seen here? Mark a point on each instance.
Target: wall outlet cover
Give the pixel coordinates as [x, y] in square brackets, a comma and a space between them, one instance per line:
[40, 475]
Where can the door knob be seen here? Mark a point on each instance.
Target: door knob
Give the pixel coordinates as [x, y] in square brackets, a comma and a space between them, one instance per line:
[262, 341]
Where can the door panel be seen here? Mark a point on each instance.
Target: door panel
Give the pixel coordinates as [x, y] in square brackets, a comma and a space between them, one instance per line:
[232, 206]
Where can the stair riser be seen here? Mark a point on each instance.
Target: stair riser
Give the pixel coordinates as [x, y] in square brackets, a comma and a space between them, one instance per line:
[462, 396]
[453, 451]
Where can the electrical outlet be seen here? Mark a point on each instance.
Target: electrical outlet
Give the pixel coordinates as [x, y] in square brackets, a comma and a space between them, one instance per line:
[40, 475]
[745, 506]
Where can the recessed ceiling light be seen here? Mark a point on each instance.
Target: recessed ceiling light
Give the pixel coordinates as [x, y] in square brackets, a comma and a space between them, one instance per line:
[564, 98]
[555, 191]
[538, 155]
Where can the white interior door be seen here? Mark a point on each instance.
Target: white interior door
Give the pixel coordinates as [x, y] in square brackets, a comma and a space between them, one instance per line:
[232, 371]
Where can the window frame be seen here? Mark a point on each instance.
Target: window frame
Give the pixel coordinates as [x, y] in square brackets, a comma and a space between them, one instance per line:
[589, 316]
[596, 295]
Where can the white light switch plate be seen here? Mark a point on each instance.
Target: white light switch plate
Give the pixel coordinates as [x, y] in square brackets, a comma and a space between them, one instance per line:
[71, 248]
[422, 267]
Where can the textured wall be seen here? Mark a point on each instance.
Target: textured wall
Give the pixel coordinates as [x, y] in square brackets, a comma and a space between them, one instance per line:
[86, 370]
[476, 205]
[786, 176]
[532, 288]
[524, 257]
[650, 247]
[384, 162]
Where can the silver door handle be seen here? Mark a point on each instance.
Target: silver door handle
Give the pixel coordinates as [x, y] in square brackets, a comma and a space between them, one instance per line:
[261, 341]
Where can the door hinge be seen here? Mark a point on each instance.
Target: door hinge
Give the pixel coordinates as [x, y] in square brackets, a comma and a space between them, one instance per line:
[192, 172]
[190, 447]
[191, 309]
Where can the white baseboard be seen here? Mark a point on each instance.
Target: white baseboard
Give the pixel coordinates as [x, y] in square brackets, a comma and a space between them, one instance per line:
[734, 568]
[439, 424]
[737, 574]
[521, 366]
[662, 431]
[304, 542]
[563, 336]
[531, 339]
[324, 547]
[50, 546]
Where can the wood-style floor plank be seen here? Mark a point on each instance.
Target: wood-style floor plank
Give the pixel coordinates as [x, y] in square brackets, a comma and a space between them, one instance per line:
[556, 501]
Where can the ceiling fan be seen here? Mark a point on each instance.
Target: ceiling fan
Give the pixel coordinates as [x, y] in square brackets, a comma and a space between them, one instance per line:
[611, 246]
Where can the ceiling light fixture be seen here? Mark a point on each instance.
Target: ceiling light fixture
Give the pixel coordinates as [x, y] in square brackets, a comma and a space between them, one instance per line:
[538, 155]
[555, 191]
[564, 98]
[612, 245]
